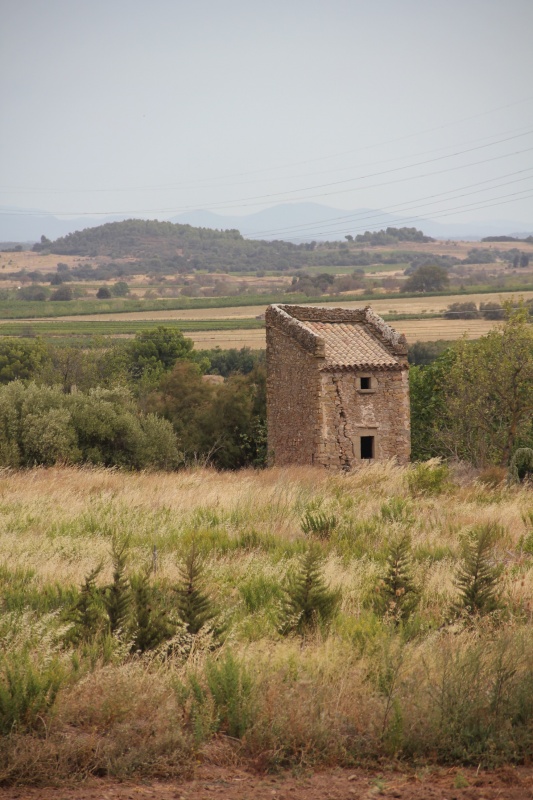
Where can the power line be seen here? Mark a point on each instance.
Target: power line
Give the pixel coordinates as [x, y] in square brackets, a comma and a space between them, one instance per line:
[355, 217]
[244, 201]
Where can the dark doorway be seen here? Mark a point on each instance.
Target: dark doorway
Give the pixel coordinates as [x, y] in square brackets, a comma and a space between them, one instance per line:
[367, 447]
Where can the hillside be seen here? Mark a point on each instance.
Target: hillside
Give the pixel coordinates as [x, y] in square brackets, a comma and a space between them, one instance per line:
[166, 247]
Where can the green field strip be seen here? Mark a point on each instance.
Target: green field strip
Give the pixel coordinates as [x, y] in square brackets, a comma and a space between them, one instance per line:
[121, 327]
[14, 309]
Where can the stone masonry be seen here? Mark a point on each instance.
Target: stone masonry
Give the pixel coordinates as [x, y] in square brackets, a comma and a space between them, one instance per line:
[337, 387]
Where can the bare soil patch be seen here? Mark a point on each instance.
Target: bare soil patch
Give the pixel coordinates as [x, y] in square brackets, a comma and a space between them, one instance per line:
[507, 783]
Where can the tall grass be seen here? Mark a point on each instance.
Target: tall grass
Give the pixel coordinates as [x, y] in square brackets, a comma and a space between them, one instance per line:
[427, 685]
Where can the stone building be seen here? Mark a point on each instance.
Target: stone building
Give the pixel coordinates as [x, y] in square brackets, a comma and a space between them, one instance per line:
[337, 387]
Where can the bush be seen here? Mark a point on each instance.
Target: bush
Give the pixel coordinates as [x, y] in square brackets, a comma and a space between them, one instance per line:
[42, 425]
[27, 692]
[430, 478]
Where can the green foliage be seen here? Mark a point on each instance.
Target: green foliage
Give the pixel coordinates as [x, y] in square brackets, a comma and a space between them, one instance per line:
[151, 625]
[223, 424]
[63, 293]
[486, 399]
[155, 352]
[478, 579]
[428, 478]
[318, 523]
[396, 593]
[20, 358]
[86, 613]
[427, 278]
[103, 293]
[468, 310]
[521, 466]
[231, 687]
[194, 606]
[423, 353]
[43, 425]
[27, 692]
[309, 602]
[391, 236]
[117, 595]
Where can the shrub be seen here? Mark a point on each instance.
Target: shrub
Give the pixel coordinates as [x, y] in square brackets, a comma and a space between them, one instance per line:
[478, 578]
[521, 467]
[428, 477]
[231, 687]
[308, 601]
[27, 692]
[396, 593]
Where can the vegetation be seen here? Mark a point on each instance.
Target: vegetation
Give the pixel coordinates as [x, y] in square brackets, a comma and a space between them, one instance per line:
[313, 667]
[391, 236]
[476, 400]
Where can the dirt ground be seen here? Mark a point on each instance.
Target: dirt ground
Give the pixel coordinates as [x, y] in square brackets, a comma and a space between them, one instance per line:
[340, 784]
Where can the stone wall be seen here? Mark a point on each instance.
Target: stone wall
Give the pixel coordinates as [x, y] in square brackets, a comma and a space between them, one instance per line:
[347, 413]
[293, 389]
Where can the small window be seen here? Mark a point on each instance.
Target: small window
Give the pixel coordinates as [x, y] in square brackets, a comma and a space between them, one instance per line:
[365, 383]
[367, 447]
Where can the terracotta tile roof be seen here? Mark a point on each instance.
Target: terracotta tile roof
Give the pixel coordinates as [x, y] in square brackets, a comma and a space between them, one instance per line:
[349, 344]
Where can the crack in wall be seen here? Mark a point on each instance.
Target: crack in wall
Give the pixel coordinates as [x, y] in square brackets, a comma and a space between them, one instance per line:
[343, 423]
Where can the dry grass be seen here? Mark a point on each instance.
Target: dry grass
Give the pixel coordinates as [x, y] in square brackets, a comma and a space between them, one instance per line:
[362, 689]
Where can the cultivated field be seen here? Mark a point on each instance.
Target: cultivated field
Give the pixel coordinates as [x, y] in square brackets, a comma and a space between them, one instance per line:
[227, 327]
[362, 688]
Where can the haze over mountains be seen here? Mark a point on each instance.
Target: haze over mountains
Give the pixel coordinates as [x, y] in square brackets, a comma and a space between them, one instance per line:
[295, 222]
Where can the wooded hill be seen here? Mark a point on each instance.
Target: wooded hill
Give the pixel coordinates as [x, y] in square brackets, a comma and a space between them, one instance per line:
[168, 248]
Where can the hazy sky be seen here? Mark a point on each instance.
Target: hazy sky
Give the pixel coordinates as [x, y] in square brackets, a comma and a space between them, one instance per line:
[153, 108]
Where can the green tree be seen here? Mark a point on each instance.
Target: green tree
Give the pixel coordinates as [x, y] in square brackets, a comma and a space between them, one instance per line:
[63, 293]
[21, 358]
[155, 352]
[103, 293]
[427, 278]
[488, 393]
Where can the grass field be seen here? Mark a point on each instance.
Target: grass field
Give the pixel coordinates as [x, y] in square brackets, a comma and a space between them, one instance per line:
[361, 689]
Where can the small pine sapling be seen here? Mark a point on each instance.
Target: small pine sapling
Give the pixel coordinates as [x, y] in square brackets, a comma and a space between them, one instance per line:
[117, 595]
[86, 613]
[151, 625]
[195, 607]
[318, 524]
[308, 601]
[396, 593]
[478, 579]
